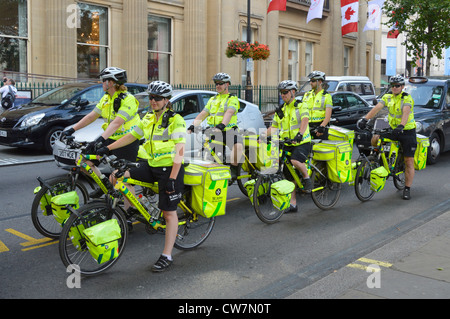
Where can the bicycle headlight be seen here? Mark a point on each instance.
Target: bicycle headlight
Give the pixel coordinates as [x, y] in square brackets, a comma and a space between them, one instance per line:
[32, 120]
[419, 126]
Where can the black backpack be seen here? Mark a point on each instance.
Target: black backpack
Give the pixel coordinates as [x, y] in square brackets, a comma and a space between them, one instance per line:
[8, 100]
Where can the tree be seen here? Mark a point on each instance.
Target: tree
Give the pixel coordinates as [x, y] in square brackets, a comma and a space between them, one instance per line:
[425, 24]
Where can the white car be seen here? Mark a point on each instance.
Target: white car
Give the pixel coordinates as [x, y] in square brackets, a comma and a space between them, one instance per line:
[188, 103]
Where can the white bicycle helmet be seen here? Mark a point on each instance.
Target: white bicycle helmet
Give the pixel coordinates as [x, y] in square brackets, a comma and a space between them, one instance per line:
[160, 88]
[317, 75]
[222, 77]
[116, 74]
[288, 85]
[397, 79]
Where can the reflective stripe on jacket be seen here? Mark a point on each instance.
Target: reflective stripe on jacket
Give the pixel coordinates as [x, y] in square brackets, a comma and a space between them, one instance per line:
[289, 125]
[217, 107]
[317, 104]
[395, 106]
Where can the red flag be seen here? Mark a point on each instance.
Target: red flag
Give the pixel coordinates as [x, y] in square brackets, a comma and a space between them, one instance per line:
[277, 5]
[349, 12]
[393, 31]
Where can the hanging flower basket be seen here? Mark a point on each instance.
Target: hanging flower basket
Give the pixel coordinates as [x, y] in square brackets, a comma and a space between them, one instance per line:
[247, 50]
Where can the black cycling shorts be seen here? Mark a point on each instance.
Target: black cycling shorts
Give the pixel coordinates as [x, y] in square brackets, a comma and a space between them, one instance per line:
[408, 141]
[149, 174]
[300, 152]
[229, 138]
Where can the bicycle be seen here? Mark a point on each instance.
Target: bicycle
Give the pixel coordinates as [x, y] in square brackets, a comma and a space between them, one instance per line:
[249, 168]
[193, 229]
[325, 193]
[388, 154]
[41, 208]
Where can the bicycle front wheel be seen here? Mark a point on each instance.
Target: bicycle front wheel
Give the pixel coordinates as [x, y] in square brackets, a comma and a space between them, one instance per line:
[362, 182]
[41, 209]
[399, 173]
[262, 201]
[325, 193]
[73, 248]
[193, 229]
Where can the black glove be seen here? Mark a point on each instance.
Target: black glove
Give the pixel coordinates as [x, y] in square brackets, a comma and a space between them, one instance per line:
[320, 129]
[102, 151]
[220, 126]
[361, 124]
[397, 131]
[68, 132]
[191, 128]
[95, 145]
[298, 138]
[170, 187]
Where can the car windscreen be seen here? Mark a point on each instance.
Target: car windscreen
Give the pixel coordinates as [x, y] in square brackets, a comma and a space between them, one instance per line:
[58, 95]
[425, 95]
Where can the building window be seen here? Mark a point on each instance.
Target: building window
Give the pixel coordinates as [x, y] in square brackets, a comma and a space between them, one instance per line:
[13, 36]
[308, 58]
[293, 60]
[92, 40]
[159, 48]
[346, 60]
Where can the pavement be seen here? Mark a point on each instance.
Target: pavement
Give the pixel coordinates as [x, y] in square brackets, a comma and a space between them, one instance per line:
[415, 265]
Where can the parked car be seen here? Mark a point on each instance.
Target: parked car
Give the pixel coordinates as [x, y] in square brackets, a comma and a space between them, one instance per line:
[348, 108]
[432, 112]
[40, 122]
[188, 103]
[360, 85]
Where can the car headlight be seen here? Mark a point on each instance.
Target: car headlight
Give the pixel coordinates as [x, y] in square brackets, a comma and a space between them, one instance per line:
[32, 120]
[419, 126]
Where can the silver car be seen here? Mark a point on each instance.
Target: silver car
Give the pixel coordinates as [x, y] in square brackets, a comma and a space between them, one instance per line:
[188, 103]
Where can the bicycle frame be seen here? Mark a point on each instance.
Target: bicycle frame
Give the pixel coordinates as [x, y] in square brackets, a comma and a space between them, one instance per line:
[394, 152]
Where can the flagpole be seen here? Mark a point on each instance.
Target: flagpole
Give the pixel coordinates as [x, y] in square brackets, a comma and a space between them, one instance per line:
[248, 86]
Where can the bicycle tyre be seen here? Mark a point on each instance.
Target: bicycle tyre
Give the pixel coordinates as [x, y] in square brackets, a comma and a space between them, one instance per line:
[47, 225]
[76, 253]
[262, 201]
[362, 182]
[241, 181]
[399, 173]
[196, 228]
[329, 195]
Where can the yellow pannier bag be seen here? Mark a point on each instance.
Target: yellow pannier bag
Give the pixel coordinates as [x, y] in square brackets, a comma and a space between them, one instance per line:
[322, 153]
[262, 155]
[336, 133]
[250, 187]
[378, 178]
[340, 167]
[59, 202]
[420, 157]
[209, 187]
[280, 193]
[102, 240]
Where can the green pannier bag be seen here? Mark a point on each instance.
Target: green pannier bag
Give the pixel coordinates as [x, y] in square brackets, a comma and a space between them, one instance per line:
[102, 240]
[420, 157]
[280, 193]
[209, 187]
[378, 178]
[59, 202]
[322, 153]
[261, 155]
[336, 133]
[340, 167]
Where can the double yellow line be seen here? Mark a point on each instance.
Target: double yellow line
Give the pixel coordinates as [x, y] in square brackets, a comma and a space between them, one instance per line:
[370, 262]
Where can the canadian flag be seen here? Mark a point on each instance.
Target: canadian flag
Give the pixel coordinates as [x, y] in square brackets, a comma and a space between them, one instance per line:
[277, 5]
[349, 11]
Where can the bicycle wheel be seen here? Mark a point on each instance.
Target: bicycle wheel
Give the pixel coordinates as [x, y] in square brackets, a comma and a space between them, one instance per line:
[399, 173]
[328, 192]
[362, 182]
[73, 249]
[262, 201]
[194, 229]
[41, 210]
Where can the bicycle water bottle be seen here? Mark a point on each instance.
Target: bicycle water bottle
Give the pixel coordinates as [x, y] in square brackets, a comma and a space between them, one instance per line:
[151, 209]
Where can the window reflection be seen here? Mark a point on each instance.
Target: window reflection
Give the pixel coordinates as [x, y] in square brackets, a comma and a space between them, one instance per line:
[159, 48]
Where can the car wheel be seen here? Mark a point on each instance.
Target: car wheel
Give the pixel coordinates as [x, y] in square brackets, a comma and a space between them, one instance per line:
[52, 136]
[435, 149]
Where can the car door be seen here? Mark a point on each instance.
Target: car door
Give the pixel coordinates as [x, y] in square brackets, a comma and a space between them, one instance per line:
[357, 108]
[340, 110]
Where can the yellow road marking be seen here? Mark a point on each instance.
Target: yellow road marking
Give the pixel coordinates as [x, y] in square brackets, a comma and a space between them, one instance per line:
[233, 199]
[371, 262]
[3, 247]
[30, 240]
[40, 246]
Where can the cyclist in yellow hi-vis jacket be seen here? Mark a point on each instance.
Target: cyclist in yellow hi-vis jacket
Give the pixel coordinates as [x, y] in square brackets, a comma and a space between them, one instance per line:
[165, 135]
[119, 109]
[320, 105]
[291, 120]
[221, 113]
[401, 119]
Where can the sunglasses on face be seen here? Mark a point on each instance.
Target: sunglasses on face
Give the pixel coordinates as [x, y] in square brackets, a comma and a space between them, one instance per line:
[284, 91]
[155, 97]
[219, 83]
[396, 85]
[312, 81]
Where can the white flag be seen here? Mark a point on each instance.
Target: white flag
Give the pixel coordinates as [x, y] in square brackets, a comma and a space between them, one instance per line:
[374, 19]
[315, 10]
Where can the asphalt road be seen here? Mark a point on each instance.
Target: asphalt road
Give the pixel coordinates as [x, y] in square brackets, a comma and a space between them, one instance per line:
[242, 259]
